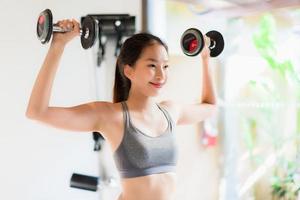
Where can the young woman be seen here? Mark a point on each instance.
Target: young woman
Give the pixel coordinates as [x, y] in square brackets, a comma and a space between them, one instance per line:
[139, 130]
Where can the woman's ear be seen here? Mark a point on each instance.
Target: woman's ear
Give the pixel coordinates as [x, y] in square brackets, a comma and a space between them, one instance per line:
[128, 71]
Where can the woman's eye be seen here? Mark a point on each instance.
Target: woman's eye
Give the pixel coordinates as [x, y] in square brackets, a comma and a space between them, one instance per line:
[151, 65]
[166, 67]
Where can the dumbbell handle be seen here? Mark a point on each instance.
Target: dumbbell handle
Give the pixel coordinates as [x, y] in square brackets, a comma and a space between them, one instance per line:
[59, 29]
[212, 44]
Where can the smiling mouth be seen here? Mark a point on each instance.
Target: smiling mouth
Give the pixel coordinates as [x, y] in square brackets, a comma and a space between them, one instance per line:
[157, 85]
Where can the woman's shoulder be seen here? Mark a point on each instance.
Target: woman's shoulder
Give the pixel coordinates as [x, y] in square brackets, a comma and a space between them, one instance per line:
[168, 104]
[171, 107]
[106, 108]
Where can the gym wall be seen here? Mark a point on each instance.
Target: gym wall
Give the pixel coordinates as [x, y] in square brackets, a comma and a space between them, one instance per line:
[36, 160]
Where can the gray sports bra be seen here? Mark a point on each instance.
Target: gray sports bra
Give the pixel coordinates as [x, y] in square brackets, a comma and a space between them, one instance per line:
[139, 154]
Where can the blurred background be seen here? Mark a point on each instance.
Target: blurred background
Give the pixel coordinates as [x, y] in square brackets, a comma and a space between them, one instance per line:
[249, 150]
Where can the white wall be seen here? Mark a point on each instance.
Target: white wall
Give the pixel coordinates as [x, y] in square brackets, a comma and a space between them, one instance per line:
[37, 161]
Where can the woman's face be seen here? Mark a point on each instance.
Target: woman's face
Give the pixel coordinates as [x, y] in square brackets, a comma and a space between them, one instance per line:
[150, 72]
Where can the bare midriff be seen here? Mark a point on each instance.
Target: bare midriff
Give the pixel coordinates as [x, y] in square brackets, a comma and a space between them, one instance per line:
[156, 186]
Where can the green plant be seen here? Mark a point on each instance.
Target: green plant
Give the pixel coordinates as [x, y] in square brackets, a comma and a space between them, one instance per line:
[286, 184]
[285, 181]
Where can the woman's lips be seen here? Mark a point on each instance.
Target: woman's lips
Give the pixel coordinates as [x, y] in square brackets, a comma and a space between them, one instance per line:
[157, 85]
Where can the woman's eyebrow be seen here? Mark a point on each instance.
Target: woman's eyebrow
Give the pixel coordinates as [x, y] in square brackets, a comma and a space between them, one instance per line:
[154, 60]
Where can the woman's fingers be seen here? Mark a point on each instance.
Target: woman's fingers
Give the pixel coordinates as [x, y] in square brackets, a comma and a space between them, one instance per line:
[76, 26]
[67, 24]
[70, 29]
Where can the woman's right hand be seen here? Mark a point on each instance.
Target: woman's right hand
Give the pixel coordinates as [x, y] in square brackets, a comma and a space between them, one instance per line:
[64, 38]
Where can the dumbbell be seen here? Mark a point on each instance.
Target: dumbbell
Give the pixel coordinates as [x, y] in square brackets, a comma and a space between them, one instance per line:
[45, 29]
[192, 42]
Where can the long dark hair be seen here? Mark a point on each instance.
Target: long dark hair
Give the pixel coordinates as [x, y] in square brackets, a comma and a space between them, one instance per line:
[130, 52]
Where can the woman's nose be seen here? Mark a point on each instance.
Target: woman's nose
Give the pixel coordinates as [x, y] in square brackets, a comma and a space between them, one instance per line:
[160, 74]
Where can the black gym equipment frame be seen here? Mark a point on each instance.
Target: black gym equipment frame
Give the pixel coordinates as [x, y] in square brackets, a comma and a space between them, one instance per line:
[112, 25]
[118, 25]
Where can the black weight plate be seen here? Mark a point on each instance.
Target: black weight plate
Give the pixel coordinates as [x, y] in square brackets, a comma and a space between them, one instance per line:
[192, 42]
[217, 47]
[89, 32]
[44, 26]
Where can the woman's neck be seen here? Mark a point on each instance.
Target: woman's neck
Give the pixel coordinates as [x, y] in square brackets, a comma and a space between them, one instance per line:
[142, 104]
